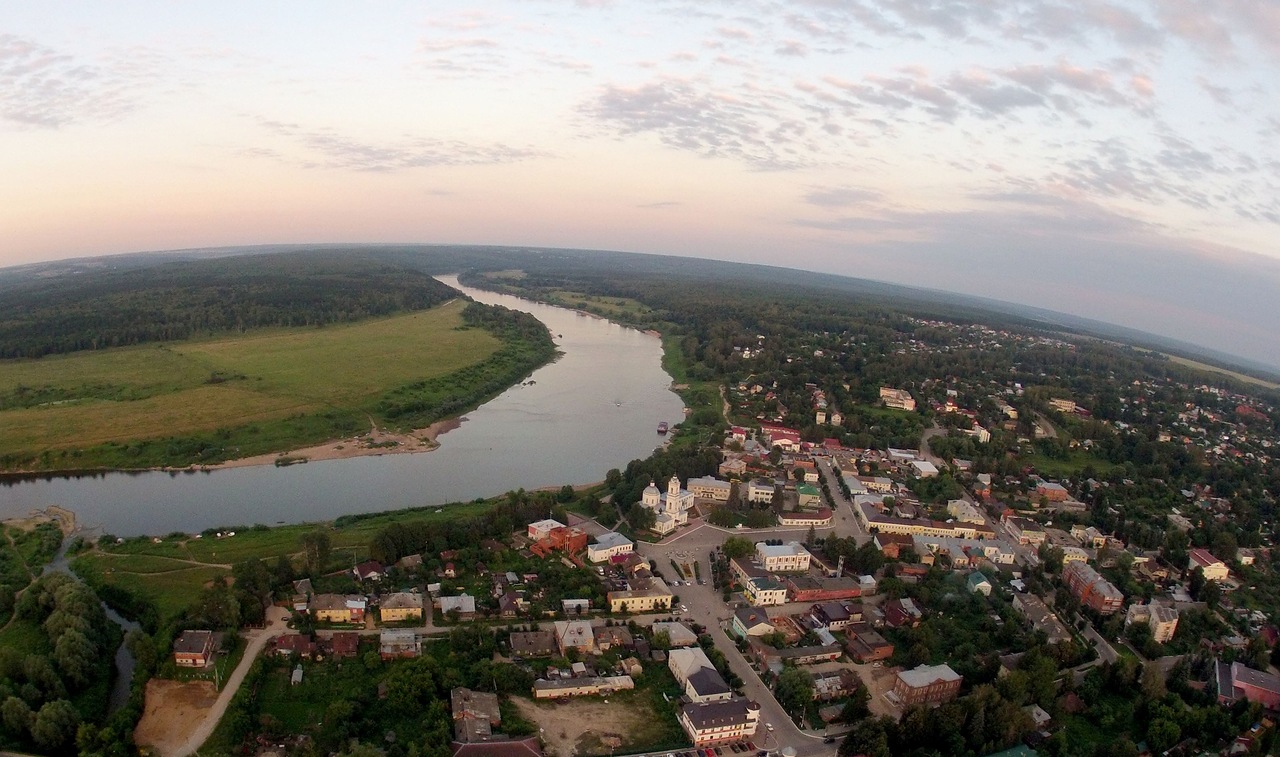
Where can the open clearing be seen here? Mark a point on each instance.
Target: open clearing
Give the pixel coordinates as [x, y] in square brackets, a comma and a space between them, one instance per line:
[580, 726]
[172, 713]
[155, 391]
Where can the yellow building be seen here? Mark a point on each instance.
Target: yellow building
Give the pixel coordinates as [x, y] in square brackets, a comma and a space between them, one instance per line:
[654, 595]
[400, 607]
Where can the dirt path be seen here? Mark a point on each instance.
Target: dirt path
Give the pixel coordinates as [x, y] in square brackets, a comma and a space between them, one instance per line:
[197, 723]
[192, 562]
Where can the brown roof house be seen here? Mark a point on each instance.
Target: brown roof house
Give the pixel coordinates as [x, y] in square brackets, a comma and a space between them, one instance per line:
[193, 649]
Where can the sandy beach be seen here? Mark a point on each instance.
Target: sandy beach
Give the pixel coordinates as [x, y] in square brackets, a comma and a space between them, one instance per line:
[377, 442]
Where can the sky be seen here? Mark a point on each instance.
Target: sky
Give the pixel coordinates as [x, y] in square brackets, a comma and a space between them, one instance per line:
[1116, 159]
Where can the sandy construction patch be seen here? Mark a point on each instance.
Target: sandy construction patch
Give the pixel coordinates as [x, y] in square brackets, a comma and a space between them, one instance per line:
[578, 727]
[172, 713]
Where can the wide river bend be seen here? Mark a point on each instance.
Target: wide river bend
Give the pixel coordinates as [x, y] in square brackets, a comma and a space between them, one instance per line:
[595, 408]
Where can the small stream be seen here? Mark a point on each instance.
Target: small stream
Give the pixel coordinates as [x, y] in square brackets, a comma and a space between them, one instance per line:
[124, 658]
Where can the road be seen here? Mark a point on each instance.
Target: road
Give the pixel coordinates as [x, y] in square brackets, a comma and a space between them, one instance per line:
[257, 639]
[707, 608]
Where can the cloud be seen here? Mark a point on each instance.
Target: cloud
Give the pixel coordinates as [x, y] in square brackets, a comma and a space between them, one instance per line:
[42, 88]
[691, 117]
[661, 205]
[326, 148]
[839, 197]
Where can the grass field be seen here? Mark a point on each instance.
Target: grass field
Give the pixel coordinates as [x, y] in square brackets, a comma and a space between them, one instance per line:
[611, 307]
[172, 572]
[175, 390]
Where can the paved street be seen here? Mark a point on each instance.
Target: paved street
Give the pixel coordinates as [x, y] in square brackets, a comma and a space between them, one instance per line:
[707, 608]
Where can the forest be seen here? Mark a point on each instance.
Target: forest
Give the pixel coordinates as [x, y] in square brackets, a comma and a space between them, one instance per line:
[176, 301]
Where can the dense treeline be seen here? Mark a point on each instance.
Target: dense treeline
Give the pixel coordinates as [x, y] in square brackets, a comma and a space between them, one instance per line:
[176, 301]
[63, 677]
[520, 508]
[526, 344]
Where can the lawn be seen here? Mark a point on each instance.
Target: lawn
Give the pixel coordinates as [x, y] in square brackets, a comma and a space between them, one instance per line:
[612, 307]
[156, 391]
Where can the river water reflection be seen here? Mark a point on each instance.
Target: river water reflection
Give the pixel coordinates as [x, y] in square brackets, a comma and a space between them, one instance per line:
[595, 408]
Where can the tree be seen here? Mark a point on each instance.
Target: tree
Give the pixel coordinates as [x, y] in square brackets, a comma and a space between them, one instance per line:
[794, 690]
[641, 517]
[858, 706]
[737, 546]
[55, 724]
[315, 551]
[869, 737]
[16, 716]
[1162, 734]
[76, 656]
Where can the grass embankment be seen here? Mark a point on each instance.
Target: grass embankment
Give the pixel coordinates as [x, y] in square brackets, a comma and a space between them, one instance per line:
[170, 573]
[268, 391]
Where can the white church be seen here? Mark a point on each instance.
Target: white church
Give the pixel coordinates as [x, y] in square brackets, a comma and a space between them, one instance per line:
[671, 508]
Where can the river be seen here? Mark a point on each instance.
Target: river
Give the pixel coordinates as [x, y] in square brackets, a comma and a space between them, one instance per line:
[595, 408]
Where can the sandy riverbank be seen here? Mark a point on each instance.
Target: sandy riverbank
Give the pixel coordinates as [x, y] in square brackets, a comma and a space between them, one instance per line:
[376, 442]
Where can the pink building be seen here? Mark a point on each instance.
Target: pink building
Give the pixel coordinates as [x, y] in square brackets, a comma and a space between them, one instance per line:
[1236, 682]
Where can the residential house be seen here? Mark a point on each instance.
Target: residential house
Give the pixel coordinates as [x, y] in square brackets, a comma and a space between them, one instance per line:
[720, 722]
[608, 637]
[901, 613]
[463, 604]
[399, 643]
[193, 649]
[834, 684]
[1041, 618]
[370, 570]
[697, 676]
[290, 644]
[1162, 620]
[1236, 682]
[892, 544]
[783, 558]
[751, 621]
[1091, 588]
[1074, 554]
[927, 684]
[765, 592]
[898, 399]
[1052, 492]
[832, 615]
[581, 687]
[401, 607]
[608, 546]
[979, 584]
[1214, 569]
[678, 634]
[344, 644]
[575, 634]
[475, 715]
[710, 487]
[336, 608]
[964, 512]
[819, 518]
[533, 643]
[642, 595]
[865, 645]
[542, 529]
[924, 468]
[803, 588]
[1025, 531]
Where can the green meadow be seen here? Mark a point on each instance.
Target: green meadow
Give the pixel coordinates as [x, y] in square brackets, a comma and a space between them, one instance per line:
[249, 394]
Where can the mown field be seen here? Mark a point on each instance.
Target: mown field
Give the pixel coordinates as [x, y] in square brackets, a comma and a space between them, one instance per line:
[259, 382]
[171, 572]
